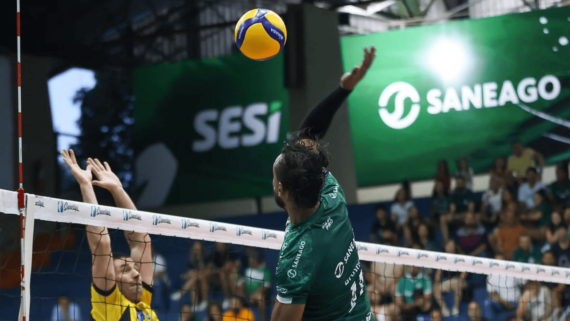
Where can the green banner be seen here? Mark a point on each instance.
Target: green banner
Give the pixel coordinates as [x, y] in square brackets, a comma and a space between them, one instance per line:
[464, 88]
[222, 120]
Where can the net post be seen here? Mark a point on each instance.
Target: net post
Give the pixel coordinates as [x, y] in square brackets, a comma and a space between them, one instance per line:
[21, 195]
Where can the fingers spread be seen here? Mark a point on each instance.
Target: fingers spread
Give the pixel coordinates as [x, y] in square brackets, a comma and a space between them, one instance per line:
[73, 159]
[108, 167]
[101, 168]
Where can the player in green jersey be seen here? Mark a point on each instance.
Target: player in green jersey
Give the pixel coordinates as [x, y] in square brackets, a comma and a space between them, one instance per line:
[319, 275]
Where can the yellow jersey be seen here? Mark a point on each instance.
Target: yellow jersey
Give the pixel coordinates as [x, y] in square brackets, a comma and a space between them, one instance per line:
[244, 314]
[519, 164]
[113, 306]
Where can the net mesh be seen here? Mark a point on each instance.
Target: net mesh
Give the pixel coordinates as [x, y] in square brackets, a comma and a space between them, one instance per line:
[205, 269]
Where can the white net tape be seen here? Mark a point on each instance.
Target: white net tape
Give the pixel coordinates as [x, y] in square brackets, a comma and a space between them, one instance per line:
[58, 210]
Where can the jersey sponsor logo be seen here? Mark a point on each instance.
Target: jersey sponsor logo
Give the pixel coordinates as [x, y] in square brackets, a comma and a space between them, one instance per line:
[186, 223]
[369, 316]
[339, 270]
[291, 273]
[39, 203]
[354, 271]
[65, 206]
[265, 235]
[328, 223]
[240, 230]
[334, 193]
[217, 227]
[157, 219]
[299, 254]
[128, 215]
[281, 290]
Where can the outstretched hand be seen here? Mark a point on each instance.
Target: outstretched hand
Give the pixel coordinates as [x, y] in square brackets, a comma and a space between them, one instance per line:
[350, 79]
[82, 176]
[105, 177]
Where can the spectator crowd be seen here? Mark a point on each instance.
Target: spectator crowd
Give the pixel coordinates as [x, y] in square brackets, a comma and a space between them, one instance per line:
[519, 218]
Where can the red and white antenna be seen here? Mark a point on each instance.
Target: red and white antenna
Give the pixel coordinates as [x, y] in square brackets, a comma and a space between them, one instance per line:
[21, 197]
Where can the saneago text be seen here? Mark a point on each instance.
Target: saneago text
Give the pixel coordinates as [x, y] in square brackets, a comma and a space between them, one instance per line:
[299, 254]
[486, 95]
[339, 270]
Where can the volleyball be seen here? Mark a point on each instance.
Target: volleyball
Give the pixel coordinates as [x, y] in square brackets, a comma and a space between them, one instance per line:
[260, 34]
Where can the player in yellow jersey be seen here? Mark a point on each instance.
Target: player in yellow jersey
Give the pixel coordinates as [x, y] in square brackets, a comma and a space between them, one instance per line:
[122, 284]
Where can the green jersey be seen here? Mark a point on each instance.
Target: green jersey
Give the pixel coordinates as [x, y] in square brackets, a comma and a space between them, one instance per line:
[319, 266]
[408, 285]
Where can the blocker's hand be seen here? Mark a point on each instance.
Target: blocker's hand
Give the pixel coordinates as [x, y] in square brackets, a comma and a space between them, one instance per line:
[82, 176]
[105, 177]
[350, 79]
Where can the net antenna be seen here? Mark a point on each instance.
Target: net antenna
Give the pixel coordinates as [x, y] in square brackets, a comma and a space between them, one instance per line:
[24, 306]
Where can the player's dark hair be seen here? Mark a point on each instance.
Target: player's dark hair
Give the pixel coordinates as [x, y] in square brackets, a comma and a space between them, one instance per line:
[120, 256]
[302, 169]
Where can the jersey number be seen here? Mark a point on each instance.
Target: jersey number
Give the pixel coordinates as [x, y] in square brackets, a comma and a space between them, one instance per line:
[354, 288]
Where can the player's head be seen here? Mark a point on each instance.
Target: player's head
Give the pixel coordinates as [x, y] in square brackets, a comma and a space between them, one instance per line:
[299, 172]
[63, 300]
[548, 258]
[127, 277]
[474, 311]
[414, 270]
[562, 232]
[380, 210]
[525, 242]
[561, 173]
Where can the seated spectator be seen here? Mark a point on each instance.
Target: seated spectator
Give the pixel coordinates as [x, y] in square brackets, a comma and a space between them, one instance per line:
[471, 237]
[521, 159]
[186, 313]
[65, 310]
[196, 278]
[465, 170]
[557, 289]
[560, 190]
[499, 170]
[474, 312]
[435, 315]
[535, 303]
[411, 226]
[442, 175]
[214, 312]
[400, 208]
[504, 292]
[491, 203]
[504, 239]
[526, 252]
[413, 294]
[238, 311]
[439, 203]
[461, 201]
[383, 230]
[382, 310]
[537, 218]
[161, 282]
[449, 281]
[529, 188]
[383, 277]
[256, 283]
[561, 249]
[224, 265]
[550, 231]
[426, 239]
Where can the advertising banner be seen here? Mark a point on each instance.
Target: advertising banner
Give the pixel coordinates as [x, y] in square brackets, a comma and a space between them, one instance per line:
[463, 88]
[208, 130]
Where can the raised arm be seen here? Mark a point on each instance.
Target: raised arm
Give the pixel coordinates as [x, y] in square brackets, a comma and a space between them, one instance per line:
[317, 122]
[103, 271]
[139, 243]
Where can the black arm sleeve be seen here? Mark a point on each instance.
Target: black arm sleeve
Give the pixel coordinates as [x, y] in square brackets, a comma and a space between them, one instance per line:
[317, 122]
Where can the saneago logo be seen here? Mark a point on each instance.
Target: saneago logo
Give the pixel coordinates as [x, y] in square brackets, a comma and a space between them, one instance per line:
[403, 91]
[128, 215]
[157, 219]
[186, 223]
[462, 98]
[96, 210]
[40, 204]
[65, 206]
[339, 270]
[240, 230]
[281, 290]
[291, 273]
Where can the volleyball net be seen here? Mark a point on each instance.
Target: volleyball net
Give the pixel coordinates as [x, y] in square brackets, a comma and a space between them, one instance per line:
[204, 268]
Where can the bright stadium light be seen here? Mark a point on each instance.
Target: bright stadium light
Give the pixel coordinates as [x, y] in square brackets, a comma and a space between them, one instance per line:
[449, 59]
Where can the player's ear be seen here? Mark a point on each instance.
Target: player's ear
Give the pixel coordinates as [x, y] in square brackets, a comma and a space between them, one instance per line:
[279, 189]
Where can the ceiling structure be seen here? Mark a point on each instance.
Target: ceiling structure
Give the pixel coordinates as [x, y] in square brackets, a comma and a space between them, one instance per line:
[129, 33]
